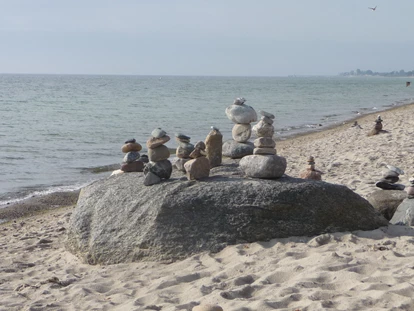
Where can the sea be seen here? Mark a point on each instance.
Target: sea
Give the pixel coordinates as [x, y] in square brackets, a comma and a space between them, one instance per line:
[62, 132]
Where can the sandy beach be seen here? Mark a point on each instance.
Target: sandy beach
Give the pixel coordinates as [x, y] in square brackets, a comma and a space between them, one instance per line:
[362, 270]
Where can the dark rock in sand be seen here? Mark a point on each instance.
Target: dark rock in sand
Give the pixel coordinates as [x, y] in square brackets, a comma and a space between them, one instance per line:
[118, 220]
[383, 184]
[404, 215]
[386, 202]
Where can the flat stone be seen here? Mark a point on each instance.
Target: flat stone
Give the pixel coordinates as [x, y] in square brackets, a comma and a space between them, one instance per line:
[151, 179]
[162, 169]
[136, 166]
[263, 166]
[266, 114]
[159, 153]
[262, 129]
[156, 142]
[390, 179]
[264, 142]
[236, 150]
[241, 114]
[389, 173]
[158, 133]
[131, 147]
[241, 132]
[264, 151]
[389, 186]
[197, 168]
[214, 147]
[130, 141]
[181, 136]
[395, 169]
[131, 157]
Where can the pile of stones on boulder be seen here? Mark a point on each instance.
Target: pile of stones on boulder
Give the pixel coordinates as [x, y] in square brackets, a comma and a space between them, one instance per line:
[242, 115]
[214, 147]
[199, 166]
[264, 163]
[133, 161]
[158, 167]
[311, 172]
[184, 149]
[390, 179]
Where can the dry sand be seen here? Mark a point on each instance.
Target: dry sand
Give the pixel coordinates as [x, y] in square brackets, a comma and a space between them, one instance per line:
[364, 270]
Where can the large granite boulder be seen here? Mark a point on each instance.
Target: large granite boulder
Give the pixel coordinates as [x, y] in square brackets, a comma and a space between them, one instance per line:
[404, 215]
[386, 201]
[118, 219]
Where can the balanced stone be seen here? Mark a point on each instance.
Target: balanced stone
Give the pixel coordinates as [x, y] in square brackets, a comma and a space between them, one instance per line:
[236, 150]
[159, 153]
[389, 186]
[241, 113]
[262, 129]
[130, 141]
[264, 142]
[263, 166]
[158, 133]
[395, 169]
[410, 189]
[162, 169]
[136, 166]
[143, 158]
[267, 120]
[154, 142]
[179, 163]
[184, 152]
[197, 168]
[311, 172]
[239, 101]
[264, 151]
[214, 147]
[131, 157]
[151, 179]
[266, 114]
[131, 147]
[181, 136]
[241, 132]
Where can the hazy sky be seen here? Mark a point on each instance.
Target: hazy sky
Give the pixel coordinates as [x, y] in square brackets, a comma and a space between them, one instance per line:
[205, 37]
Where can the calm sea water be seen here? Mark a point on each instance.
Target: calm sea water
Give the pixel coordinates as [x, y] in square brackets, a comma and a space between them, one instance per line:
[54, 129]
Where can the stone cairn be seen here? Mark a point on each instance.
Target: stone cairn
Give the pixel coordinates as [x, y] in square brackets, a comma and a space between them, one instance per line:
[242, 115]
[377, 128]
[311, 172]
[214, 147]
[158, 167]
[410, 189]
[199, 166]
[133, 161]
[183, 151]
[264, 163]
[390, 178]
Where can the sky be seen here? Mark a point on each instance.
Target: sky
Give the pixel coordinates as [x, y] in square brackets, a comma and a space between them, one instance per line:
[205, 37]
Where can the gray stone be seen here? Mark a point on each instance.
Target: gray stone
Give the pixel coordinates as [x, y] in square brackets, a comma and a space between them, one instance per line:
[117, 220]
[267, 120]
[159, 153]
[158, 133]
[162, 168]
[264, 151]
[266, 114]
[197, 168]
[151, 179]
[143, 158]
[179, 163]
[241, 114]
[181, 136]
[263, 166]
[136, 166]
[395, 169]
[404, 215]
[264, 142]
[262, 129]
[131, 157]
[241, 132]
[236, 150]
[386, 185]
[214, 147]
[153, 142]
[239, 101]
[184, 150]
[386, 202]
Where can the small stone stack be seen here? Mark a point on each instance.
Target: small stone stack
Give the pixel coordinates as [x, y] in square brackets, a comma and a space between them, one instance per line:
[264, 163]
[183, 151]
[214, 147]
[377, 128]
[311, 172]
[132, 161]
[390, 178]
[264, 131]
[199, 166]
[410, 189]
[242, 115]
[158, 167]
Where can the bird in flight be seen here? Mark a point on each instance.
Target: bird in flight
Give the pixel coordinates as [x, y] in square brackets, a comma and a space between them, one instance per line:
[407, 83]
[373, 8]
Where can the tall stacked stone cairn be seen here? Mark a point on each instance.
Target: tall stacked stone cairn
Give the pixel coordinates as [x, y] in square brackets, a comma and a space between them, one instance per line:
[214, 147]
[242, 115]
[311, 172]
[199, 166]
[377, 128]
[158, 167]
[183, 151]
[264, 163]
[390, 178]
[133, 161]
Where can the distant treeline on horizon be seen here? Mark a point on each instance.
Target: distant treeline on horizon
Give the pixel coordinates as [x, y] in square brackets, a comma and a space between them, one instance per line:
[358, 72]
